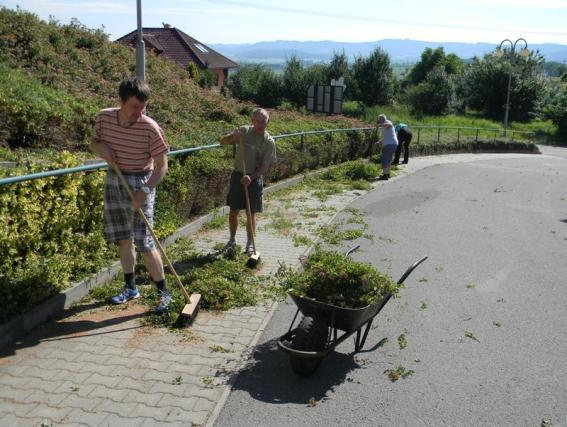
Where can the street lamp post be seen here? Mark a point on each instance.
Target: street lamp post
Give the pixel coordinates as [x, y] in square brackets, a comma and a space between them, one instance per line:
[140, 48]
[512, 59]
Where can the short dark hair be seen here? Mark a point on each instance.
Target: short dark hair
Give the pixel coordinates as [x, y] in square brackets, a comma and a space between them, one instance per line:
[134, 87]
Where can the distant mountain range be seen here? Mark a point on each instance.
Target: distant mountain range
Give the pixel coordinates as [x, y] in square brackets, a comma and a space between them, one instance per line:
[400, 50]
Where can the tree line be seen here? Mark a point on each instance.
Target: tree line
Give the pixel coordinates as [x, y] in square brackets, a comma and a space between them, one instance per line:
[438, 84]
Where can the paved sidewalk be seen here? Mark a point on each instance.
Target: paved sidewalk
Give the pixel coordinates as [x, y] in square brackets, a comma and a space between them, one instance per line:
[101, 367]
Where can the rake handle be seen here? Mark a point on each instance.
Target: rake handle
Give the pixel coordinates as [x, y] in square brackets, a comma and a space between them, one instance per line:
[161, 249]
[247, 196]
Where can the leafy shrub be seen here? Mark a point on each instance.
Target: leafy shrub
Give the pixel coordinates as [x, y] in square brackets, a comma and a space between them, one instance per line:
[336, 279]
[434, 95]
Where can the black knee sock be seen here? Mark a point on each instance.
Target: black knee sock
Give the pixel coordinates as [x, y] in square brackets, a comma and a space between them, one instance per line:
[161, 285]
[130, 280]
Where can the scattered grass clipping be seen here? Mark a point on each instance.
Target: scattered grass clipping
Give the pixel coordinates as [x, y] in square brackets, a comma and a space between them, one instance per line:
[399, 372]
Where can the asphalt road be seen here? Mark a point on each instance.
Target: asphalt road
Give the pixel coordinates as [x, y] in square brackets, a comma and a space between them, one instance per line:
[485, 317]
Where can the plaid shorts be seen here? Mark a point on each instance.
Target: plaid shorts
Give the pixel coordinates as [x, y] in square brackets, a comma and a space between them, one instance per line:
[121, 222]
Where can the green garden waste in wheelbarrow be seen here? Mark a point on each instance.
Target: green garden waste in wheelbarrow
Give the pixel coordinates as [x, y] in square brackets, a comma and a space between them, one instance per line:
[318, 331]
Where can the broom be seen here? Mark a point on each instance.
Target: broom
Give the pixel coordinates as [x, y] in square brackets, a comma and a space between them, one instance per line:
[191, 301]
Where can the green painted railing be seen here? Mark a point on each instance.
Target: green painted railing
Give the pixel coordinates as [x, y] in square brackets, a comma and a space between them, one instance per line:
[302, 135]
[184, 151]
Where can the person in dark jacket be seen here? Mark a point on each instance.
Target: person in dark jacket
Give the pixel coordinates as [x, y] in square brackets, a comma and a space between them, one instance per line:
[404, 135]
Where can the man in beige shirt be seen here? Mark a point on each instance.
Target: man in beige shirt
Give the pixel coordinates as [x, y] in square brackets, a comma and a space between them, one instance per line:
[259, 153]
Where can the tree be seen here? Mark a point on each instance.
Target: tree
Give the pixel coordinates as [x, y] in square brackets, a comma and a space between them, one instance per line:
[317, 74]
[256, 83]
[486, 85]
[338, 67]
[434, 95]
[372, 79]
[294, 83]
[556, 110]
[431, 59]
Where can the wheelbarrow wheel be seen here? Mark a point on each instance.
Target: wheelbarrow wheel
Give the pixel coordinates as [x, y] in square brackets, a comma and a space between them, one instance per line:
[310, 335]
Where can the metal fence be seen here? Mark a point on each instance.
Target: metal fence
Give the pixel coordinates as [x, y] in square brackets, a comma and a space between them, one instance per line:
[433, 133]
[424, 134]
[184, 151]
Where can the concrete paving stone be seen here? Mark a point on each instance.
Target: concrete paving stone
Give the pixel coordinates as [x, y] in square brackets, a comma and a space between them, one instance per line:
[211, 393]
[158, 414]
[182, 369]
[103, 392]
[153, 375]
[186, 403]
[108, 381]
[168, 388]
[204, 329]
[139, 384]
[204, 405]
[43, 398]
[118, 408]
[112, 350]
[92, 358]
[105, 369]
[58, 364]
[59, 354]
[16, 381]
[143, 354]
[48, 386]
[15, 370]
[44, 374]
[64, 375]
[18, 394]
[90, 418]
[84, 403]
[81, 390]
[135, 396]
[10, 420]
[195, 418]
[56, 415]
[154, 423]
[19, 409]
[194, 380]
[115, 420]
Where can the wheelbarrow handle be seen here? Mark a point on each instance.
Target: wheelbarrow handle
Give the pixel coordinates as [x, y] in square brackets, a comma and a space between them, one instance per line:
[351, 250]
[410, 269]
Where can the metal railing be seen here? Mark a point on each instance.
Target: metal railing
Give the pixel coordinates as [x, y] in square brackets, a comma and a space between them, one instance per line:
[301, 135]
[463, 129]
[184, 151]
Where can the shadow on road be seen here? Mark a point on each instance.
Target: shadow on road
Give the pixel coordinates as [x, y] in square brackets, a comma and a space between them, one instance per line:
[268, 376]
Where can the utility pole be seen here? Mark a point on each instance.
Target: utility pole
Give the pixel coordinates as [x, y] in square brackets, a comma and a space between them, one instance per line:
[140, 47]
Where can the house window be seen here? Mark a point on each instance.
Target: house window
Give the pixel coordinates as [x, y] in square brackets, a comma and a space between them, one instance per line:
[201, 48]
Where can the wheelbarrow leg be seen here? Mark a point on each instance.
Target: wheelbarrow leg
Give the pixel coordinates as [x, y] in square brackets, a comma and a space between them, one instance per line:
[360, 342]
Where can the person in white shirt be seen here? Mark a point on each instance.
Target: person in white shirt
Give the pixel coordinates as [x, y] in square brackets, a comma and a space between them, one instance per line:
[389, 143]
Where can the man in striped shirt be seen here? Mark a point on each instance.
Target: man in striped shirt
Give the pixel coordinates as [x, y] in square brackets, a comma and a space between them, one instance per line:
[134, 143]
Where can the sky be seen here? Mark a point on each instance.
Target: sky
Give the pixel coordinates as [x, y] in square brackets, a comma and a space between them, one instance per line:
[250, 21]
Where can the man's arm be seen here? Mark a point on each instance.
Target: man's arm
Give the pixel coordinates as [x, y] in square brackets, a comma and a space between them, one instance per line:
[231, 138]
[261, 169]
[103, 150]
[160, 169]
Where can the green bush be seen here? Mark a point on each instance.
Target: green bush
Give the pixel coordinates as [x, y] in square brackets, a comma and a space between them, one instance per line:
[336, 279]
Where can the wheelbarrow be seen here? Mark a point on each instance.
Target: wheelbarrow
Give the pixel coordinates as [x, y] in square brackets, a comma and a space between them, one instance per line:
[318, 331]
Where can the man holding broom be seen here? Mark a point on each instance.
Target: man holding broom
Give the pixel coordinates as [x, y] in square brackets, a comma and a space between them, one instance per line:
[258, 150]
[135, 144]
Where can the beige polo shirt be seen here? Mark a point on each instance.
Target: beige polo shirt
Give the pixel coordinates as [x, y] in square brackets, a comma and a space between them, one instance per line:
[257, 148]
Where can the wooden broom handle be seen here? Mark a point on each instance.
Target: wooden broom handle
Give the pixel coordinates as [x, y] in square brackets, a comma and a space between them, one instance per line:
[248, 209]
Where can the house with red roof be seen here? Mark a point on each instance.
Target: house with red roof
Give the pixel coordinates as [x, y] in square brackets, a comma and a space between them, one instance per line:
[181, 48]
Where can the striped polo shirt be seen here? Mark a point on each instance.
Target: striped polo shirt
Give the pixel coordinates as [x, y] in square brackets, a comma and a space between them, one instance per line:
[134, 146]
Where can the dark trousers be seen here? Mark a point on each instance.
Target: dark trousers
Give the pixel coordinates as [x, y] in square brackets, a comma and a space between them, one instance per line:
[404, 139]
